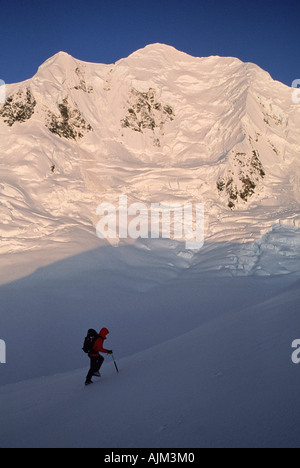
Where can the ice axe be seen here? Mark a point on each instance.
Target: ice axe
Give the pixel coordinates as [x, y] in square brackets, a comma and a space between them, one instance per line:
[115, 363]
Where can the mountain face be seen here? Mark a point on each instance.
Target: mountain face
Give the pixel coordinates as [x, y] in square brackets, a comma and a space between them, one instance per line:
[160, 127]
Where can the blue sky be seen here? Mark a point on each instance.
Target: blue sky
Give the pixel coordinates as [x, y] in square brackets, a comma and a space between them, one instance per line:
[264, 32]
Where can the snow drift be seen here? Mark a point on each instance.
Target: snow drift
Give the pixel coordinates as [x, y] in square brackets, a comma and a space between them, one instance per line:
[227, 383]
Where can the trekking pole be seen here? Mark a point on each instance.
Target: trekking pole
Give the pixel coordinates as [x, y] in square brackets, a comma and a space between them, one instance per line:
[115, 363]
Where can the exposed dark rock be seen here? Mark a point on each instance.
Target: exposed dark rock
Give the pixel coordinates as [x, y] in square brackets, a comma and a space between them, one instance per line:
[18, 107]
[248, 172]
[146, 112]
[82, 85]
[69, 124]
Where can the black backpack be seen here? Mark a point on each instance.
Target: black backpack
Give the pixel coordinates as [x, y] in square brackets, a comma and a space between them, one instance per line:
[89, 342]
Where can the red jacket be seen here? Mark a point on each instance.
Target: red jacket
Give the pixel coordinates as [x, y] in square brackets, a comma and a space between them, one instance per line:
[98, 346]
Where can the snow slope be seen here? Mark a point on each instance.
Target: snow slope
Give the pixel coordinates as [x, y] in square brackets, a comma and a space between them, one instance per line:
[146, 293]
[227, 383]
[204, 362]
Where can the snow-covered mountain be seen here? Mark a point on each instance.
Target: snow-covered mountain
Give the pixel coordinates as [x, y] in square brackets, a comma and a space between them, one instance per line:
[158, 126]
[202, 338]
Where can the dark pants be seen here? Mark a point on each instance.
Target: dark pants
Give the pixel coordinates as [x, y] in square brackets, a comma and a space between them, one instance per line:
[96, 363]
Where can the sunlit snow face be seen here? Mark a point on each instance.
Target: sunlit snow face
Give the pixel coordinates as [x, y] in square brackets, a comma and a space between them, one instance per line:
[2, 92]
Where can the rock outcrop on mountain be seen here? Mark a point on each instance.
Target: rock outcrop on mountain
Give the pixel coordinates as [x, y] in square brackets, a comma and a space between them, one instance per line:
[160, 127]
